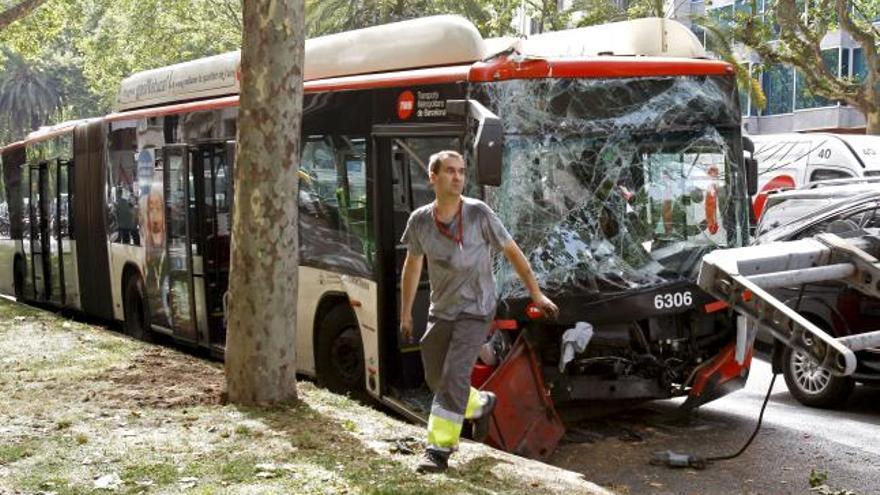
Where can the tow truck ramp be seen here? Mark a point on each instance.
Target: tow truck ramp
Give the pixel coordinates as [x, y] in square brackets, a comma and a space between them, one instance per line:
[741, 276]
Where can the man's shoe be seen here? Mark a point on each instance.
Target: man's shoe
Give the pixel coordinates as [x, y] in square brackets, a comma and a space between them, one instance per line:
[433, 461]
[481, 424]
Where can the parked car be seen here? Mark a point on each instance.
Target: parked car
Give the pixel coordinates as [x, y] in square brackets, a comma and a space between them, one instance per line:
[794, 160]
[848, 209]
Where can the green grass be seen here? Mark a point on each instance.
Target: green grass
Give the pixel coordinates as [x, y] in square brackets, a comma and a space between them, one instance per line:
[160, 473]
[13, 452]
[76, 421]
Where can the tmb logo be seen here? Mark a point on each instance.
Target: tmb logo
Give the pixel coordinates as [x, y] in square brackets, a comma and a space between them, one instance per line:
[406, 103]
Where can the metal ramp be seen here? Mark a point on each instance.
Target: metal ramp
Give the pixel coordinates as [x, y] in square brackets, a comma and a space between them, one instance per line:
[741, 276]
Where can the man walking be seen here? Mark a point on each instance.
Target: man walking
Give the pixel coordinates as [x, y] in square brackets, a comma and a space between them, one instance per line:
[458, 235]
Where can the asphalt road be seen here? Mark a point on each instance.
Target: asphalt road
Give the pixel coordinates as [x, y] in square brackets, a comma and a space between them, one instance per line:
[844, 444]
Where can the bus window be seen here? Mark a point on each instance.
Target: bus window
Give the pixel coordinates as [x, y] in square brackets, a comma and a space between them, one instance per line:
[123, 223]
[415, 153]
[333, 207]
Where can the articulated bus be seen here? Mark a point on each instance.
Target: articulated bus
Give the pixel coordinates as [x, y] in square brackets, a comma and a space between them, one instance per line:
[613, 155]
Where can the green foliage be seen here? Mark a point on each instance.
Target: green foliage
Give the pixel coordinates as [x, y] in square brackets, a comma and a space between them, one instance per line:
[817, 478]
[29, 96]
[790, 33]
[127, 36]
[491, 17]
[66, 60]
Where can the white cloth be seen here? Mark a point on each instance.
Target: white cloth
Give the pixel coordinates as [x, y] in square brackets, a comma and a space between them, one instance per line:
[574, 341]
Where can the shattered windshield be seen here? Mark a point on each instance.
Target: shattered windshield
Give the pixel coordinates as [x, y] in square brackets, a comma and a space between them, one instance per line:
[613, 185]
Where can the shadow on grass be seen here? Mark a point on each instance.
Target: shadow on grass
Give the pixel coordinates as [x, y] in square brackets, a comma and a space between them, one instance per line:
[326, 442]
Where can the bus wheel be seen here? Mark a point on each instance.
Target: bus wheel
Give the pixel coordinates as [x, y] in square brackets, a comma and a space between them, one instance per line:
[134, 307]
[18, 278]
[340, 353]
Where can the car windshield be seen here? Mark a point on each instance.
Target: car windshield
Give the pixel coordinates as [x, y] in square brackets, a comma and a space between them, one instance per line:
[606, 201]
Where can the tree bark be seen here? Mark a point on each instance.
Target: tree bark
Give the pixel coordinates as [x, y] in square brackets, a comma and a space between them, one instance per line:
[260, 352]
[872, 122]
[18, 11]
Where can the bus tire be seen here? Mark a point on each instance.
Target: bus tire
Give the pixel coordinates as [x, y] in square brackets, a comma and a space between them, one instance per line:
[18, 278]
[135, 309]
[339, 362]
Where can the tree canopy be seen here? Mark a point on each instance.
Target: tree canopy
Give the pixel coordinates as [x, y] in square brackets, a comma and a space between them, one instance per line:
[791, 32]
[82, 49]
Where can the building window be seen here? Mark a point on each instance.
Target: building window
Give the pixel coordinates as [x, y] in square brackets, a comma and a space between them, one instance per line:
[859, 65]
[803, 99]
[778, 85]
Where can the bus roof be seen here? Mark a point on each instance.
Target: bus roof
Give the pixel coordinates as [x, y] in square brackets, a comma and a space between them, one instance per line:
[433, 42]
[651, 37]
[427, 42]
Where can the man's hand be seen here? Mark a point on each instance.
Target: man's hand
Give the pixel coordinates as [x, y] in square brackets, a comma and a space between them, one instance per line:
[546, 305]
[406, 328]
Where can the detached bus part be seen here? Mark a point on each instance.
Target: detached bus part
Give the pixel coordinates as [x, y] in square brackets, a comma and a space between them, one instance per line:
[740, 277]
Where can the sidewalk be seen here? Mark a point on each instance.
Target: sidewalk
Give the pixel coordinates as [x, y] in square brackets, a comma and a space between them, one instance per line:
[87, 410]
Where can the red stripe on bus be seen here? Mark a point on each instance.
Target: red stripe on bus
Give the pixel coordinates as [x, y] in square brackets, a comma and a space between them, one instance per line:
[417, 77]
[714, 307]
[503, 68]
[193, 106]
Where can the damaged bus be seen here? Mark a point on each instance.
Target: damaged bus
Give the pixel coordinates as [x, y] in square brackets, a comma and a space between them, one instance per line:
[613, 154]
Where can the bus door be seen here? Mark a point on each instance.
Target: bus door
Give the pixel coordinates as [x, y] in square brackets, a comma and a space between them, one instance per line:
[212, 167]
[179, 217]
[44, 259]
[67, 280]
[403, 153]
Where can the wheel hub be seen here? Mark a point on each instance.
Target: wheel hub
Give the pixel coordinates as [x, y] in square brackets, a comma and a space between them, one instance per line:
[809, 376]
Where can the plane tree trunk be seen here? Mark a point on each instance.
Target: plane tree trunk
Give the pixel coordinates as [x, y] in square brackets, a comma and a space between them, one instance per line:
[260, 355]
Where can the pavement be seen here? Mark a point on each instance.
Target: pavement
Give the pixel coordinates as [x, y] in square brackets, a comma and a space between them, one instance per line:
[794, 441]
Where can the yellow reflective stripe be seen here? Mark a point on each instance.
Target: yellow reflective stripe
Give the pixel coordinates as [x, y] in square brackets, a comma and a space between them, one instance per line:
[443, 432]
[474, 404]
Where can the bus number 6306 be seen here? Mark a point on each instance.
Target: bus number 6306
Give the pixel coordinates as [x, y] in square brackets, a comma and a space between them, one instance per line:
[673, 300]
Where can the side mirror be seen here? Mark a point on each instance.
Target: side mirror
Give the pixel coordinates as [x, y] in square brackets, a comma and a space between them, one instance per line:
[751, 175]
[488, 142]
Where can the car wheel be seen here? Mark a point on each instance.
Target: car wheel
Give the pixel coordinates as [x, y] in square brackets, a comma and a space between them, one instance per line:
[135, 309]
[811, 384]
[340, 353]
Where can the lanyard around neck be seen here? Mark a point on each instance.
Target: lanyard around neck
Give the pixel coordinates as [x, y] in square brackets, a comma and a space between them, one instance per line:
[444, 230]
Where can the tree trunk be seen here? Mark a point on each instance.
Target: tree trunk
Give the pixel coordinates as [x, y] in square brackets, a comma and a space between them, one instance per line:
[872, 122]
[260, 354]
[18, 11]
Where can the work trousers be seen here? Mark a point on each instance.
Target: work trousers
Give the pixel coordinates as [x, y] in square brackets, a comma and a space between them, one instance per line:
[449, 351]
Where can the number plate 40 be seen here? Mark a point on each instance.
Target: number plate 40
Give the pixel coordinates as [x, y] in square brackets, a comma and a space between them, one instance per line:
[673, 300]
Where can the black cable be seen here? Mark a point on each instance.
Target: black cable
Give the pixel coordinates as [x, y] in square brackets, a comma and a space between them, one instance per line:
[672, 459]
[754, 433]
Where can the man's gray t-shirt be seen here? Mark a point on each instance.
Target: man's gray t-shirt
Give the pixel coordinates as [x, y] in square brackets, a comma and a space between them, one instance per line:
[461, 277]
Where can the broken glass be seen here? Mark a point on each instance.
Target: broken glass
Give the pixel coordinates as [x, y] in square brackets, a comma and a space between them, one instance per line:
[617, 184]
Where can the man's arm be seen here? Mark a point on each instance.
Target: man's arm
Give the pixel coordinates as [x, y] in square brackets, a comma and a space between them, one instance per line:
[409, 284]
[516, 257]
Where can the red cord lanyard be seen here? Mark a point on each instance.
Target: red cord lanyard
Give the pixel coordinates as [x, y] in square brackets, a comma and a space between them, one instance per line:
[457, 238]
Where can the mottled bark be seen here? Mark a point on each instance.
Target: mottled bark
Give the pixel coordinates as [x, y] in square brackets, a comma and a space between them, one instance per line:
[872, 123]
[18, 11]
[260, 355]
